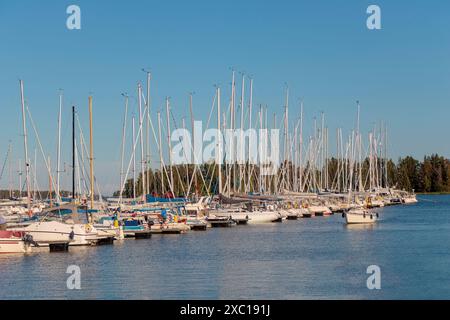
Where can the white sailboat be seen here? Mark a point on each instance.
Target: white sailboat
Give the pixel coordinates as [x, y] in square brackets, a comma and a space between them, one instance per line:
[360, 216]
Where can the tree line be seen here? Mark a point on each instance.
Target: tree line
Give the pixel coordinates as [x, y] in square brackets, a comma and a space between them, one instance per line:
[430, 175]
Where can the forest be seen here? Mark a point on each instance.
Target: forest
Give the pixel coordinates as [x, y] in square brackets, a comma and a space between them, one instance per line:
[429, 175]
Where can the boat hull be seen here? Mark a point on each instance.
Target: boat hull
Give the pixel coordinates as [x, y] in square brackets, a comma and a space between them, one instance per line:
[263, 217]
[48, 232]
[360, 218]
[10, 243]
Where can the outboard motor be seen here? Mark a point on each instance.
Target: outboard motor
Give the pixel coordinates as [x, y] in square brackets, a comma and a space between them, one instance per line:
[28, 239]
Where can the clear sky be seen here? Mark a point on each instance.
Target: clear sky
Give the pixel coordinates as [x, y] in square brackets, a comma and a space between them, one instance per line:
[321, 49]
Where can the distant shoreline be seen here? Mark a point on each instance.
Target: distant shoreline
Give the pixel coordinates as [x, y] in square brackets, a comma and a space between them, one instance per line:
[432, 193]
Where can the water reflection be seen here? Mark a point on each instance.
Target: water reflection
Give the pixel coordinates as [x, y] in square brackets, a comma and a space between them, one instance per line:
[308, 258]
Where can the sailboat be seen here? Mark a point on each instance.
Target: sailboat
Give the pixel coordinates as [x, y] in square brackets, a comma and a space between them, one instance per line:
[360, 216]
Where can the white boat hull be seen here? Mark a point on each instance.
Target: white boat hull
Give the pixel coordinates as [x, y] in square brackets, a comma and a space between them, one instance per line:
[410, 200]
[10, 243]
[13, 246]
[263, 217]
[45, 233]
[255, 217]
[360, 217]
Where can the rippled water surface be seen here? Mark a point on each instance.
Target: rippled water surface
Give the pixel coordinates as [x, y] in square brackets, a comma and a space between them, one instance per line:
[319, 258]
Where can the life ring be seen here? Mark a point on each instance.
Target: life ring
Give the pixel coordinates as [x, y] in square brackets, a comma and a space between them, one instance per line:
[87, 227]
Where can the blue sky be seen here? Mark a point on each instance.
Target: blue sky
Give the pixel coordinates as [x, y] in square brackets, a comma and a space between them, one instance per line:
[322, 49]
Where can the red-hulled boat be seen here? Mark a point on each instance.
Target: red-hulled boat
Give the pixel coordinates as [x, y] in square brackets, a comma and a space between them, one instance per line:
[13, 242]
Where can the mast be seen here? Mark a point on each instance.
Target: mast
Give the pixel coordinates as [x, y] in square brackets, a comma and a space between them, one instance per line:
[142, 142]
[241, 138]
[134, 156]
[232, 126]
[10, 183]
[286, 142]
[91, 154]
[358, 141]
[386, 157]
[250, 106]
[301, 147]
[34, 174]
[295, 184]
[148, 157]
[73, 153]
[275, 178]
[160, 153]
[58, 160]
[262, 153]
[124, 128]
[219, 142]
[193, 142]
[25, 143]
[50, 182]
[169, 142]
[186, 167]
[20, 173]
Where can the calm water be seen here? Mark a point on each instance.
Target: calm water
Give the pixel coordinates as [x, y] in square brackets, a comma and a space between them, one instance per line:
[320, 258]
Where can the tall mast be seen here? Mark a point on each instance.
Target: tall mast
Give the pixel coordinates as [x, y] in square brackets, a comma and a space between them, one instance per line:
[169, 142]
[219, 143]
[358, 141]
[250, 106]
[322, 151]
[241, 138]
[193, 142]
[230, 148]
[20, 173]
[124, 128]
[286, 143]
[91, 153]
[34, 174]
[73, 153]
[58, 160]
[262, 153]
[301, 146]
[232, 127]
[148, 153]
[142, 141]
[386, 157]
[10, 183]
[295, 144]
[25, 143]
[186, 167]
[275, 178]
[134, 155]
[160, 153]
[50, 182]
